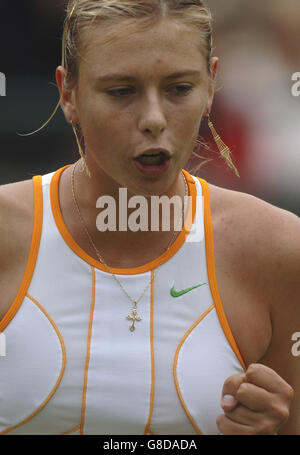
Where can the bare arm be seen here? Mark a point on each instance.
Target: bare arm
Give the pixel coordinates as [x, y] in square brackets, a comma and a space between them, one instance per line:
[16, 224]
[284, 288]
[267, 396]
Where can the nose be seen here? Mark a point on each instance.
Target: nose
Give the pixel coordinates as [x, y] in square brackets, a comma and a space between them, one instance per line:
[152, 118]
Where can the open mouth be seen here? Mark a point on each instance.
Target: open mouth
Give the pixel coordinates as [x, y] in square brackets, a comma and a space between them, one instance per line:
[152, 159]
[153, 162]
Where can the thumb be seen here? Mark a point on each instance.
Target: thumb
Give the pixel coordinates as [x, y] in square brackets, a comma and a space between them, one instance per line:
[230, 388]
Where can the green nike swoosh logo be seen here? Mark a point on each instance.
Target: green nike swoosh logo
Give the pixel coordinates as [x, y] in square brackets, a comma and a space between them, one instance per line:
[184, 291]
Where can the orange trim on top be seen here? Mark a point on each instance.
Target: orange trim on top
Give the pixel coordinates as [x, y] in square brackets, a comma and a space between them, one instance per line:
[71, 431]
[206, 312]
[88, 352]
[147, 428]
[164, 257]
[209, 246]
[63, 366]
[34, 248]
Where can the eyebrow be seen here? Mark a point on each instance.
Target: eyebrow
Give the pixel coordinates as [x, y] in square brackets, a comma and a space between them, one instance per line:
[127, 78]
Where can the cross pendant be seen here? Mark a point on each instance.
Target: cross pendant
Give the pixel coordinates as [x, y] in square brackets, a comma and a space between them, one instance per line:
[133, 317]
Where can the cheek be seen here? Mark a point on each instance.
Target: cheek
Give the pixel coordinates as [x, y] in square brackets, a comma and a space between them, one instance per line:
[110, 120]
[188, 124]
[102, 126]
[107, 137]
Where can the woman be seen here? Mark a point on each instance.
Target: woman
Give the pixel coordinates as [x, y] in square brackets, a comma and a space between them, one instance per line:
[144, 331]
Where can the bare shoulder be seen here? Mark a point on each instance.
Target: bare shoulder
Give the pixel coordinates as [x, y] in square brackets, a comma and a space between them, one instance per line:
[261, 241]
[244, 204]
[257, 249]
[269, 235]
[16, 209]
[16, 224]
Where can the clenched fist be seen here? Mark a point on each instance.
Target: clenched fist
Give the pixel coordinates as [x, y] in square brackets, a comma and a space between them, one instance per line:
[255, 402]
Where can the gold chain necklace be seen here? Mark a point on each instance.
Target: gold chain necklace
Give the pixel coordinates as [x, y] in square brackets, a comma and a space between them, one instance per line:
[133, 317]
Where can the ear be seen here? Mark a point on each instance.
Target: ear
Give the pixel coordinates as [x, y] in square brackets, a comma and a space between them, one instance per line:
[214, 62]
[67, 98]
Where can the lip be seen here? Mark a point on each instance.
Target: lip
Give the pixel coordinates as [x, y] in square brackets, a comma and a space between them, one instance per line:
[155, 170]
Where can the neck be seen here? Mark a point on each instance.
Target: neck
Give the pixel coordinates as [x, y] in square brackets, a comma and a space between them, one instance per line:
[135, 233]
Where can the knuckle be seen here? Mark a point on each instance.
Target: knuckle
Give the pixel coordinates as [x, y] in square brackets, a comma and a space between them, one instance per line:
[252, 371]
[242, 390]
[290, 392]
[285, 415]
[281, 413]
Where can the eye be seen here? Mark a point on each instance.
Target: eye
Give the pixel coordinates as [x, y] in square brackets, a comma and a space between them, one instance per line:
[180, 89]
[120, 92]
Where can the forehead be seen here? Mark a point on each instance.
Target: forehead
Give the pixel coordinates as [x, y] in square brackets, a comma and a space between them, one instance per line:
[129, 46]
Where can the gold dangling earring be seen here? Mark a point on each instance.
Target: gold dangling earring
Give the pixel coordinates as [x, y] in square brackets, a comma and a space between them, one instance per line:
[83, 160]
[223, 148]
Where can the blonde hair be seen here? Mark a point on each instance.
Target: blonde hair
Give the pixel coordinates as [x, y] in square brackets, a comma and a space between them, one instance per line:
[82, 15]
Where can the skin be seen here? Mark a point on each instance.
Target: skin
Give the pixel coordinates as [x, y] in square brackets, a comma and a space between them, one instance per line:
[157, 111]
[257, 263]
[153, 110]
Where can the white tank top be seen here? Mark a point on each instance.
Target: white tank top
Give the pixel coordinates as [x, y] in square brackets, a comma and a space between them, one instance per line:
[72, 365]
